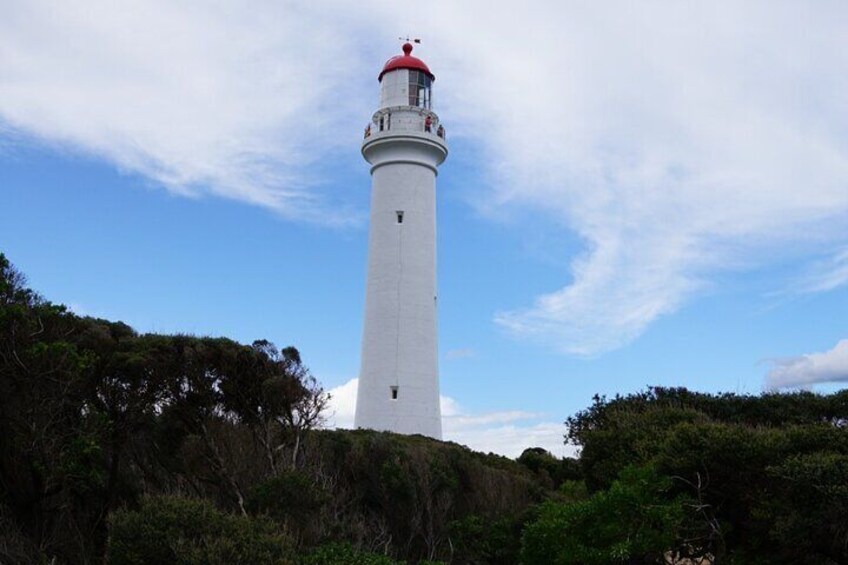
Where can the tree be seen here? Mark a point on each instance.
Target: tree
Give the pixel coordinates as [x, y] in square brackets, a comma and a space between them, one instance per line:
[635, 521]
[550, 468]
[283, 406]
[738, 459]
[49, 449]
[94, 414]
[177, 530]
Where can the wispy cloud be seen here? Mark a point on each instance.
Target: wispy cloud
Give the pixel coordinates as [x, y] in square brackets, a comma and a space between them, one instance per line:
[812, 368]
[506, 433]
[825, 276]
[214, 99]
[460, 353]
[675, 140]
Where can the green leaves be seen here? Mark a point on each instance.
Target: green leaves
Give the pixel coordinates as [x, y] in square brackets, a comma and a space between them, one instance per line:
[765, 475]
[93, 414]
[633, 520]
[172, 530]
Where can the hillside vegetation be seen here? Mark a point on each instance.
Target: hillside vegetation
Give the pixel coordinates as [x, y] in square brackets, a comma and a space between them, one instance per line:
[122, 447]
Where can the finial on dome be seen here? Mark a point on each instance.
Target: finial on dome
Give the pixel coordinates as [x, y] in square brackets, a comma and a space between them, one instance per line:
[407, 48]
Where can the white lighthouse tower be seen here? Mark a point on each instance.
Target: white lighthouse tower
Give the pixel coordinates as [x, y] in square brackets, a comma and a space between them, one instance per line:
[405, 143]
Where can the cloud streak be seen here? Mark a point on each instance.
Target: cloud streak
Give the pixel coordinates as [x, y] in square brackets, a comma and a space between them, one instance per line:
[826, 275]
[812, 368]
[203, 100]
[675, 141]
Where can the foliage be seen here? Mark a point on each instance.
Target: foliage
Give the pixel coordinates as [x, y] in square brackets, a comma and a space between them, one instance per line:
[170, 530]
[291, 498]
[573, 491]
[633, 520]
[400, 495]
[102, 425]
[763, 472]
[94, 414]
[347, 554]
[97, 416]
[15, 546]
[548, 468]
[809, 521]
[344, 554]
[494, 541]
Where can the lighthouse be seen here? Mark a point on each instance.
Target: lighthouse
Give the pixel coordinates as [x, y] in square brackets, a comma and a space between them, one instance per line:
[404, 144]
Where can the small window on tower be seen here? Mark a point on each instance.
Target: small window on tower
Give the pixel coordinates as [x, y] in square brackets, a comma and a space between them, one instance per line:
[394, 392]
[399, 216]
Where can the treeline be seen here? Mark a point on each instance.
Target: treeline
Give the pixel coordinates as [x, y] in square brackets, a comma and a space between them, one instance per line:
[126, 448]
[152, 448]
[94, 416]
[675, 476]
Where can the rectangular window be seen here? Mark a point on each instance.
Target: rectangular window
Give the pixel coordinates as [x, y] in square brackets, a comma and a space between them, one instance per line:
[413, 88]
[394, 392]
[419, 89]
[399, 216]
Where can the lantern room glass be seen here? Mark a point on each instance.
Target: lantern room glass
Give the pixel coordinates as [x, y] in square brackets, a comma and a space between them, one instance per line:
[419, 89]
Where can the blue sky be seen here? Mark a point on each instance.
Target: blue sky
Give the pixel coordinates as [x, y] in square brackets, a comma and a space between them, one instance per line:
[634, 196]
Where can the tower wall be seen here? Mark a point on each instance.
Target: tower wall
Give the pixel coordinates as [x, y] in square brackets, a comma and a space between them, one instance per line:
[399, 381]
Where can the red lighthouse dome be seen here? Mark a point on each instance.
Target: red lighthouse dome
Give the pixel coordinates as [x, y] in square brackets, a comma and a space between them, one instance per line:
[405, 61]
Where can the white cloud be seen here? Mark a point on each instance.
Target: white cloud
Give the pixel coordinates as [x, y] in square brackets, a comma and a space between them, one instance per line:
[216, 99]
[829, 366]
[676, 140]
[342, 406]
[511, 440]
[505, 433]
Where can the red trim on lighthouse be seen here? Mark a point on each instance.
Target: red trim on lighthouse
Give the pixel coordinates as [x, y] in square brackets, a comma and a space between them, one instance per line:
[405, 61]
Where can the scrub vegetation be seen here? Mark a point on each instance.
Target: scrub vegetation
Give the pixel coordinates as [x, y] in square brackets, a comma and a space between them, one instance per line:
[132, 448]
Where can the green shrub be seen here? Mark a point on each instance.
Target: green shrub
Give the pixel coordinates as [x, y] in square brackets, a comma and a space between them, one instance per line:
[180, 531]
[548, 468]
[573, 491]
[15, 547]
[491, 541]
[631, 520]
[291, 494]
[345, 554]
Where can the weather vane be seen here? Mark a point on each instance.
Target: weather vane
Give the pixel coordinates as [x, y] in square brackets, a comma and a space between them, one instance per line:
[407, 39]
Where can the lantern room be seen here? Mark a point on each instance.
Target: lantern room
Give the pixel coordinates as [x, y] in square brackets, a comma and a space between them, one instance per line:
[406, 81]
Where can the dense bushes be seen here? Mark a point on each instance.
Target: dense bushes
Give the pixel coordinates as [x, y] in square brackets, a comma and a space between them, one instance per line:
[182, 449]
[766, 474]
[170, 530]
[634, 519]
[98, 422]
[344, 554]
[400, 494]
[94, 416]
